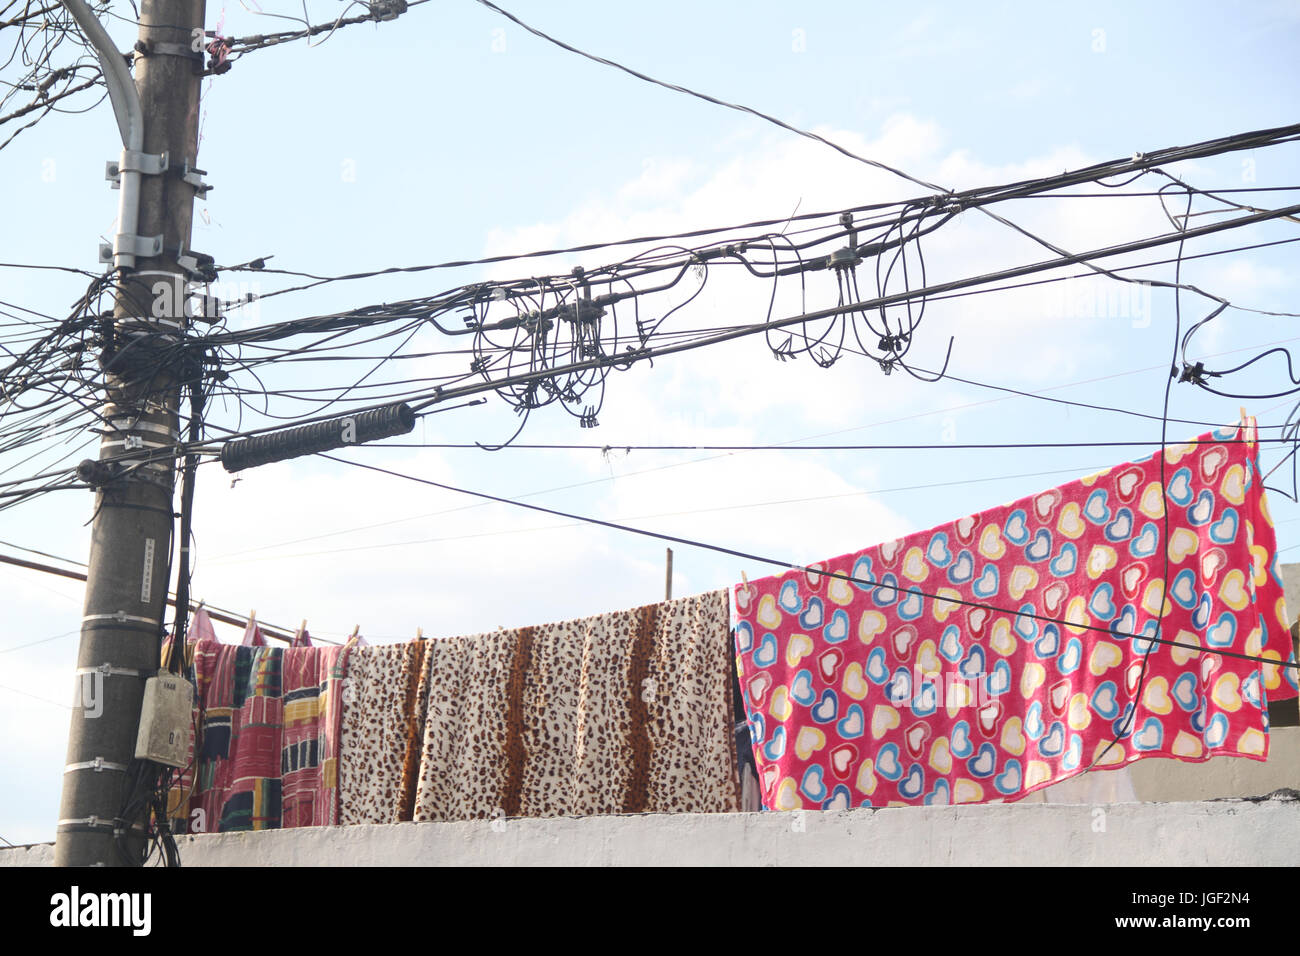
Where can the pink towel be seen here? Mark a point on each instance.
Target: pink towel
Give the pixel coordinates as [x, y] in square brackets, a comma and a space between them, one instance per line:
[1003, 652]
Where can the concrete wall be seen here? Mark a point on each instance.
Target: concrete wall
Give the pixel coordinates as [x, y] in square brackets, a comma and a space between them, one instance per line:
[1226, 833]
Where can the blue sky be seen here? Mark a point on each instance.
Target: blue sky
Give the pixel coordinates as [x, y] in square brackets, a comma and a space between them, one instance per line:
[450, 134]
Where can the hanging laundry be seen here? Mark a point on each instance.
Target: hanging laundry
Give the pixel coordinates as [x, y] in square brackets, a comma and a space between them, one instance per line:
[1000, 653]
[269, 730]
[626, 712]
[253, 636]
[382, 732]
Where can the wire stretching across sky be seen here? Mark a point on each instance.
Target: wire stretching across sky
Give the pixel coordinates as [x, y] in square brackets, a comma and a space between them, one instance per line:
[793, 566]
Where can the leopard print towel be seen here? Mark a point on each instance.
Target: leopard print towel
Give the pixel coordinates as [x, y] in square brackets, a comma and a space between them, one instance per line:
[625, 712]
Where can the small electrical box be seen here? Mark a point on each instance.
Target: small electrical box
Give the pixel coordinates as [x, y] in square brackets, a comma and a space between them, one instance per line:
[166, 720]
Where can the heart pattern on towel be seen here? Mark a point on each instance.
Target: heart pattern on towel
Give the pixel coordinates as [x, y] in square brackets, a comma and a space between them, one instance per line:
[1007, 650]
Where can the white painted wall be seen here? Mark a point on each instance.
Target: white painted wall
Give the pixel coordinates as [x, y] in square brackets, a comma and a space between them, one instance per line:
[1221, 833]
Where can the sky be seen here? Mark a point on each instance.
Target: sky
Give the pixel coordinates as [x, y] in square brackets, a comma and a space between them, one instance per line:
[451, 133]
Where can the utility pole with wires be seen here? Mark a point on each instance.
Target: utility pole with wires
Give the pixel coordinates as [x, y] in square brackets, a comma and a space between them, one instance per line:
[107, 793]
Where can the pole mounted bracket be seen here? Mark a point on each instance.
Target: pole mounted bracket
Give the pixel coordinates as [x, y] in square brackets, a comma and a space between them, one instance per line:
[138, 246]
[198, 266]
[194, 177]
[146, 164]
[183, 50]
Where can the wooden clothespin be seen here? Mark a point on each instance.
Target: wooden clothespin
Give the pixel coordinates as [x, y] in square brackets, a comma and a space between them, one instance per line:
[302, 629]
[252, 617]
[744, 579]
[356, 631]
[419, 633]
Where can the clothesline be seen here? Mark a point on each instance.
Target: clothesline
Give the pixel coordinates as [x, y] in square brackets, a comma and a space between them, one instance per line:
[844, 666]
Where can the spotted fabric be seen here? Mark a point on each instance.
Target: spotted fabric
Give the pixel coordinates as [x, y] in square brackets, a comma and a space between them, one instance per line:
[992, 656]
[625, 712]
[382, 723]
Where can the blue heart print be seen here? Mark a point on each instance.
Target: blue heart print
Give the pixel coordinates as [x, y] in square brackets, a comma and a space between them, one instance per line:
[1146, 543]
[1224, 531]
[886, 593]
[853, 724]
[1224, 631]
[1123, 725]
[914, 785]
[950, 644]
[827, 709]
[1063, 564]
[963, 569]
[765, 656]
[1201, 616]
[838, 628]
[1095, 508]
[1202, 510]
[812, 617]
[1047, 645]
[1151, 736]
[998, 682]
[926, 701]
[1105, 700]
[899, 689]
[887, 764]
[789, 598]
[1179, 488]
[1034, 728]
[961, 745]
[1016, 530]
[813, 786]
[862, 576]
[877, 672]
[1102, 604]
[1073, 753]
[1183, 590]
[937, 553]
[912, 606]
[973, 665]
[1053, 741]
[1009, 781]
[1026, 625]
[940, 796]
[1121, 528]
[775, 748]
[987, 585]
[1184, 693]
[984, 763]
[840, 799]
[1040, 549]
[744, 637]
[1070, 658]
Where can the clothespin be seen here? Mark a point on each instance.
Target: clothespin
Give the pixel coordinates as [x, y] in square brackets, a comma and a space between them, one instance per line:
[744, 579]
[419, 633]
[356, 631]
[252, 617]
[297, 635]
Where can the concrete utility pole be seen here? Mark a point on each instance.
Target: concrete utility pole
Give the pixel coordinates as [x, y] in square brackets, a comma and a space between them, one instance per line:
[126, 590]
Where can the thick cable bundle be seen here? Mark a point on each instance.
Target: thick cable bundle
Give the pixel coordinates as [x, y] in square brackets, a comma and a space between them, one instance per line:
[366, 426]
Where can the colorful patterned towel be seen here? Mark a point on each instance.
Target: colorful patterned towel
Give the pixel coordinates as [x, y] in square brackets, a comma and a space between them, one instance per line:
[269, 737]
[998, 654]
[628, 712]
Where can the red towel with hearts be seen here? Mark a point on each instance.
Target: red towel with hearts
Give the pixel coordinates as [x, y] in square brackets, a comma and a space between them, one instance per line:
[1006, 651]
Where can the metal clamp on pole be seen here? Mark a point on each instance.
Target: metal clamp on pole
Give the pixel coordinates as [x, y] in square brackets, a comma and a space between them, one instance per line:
[98, 765]
[134, 161]
[194, 177]
[182, 50]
